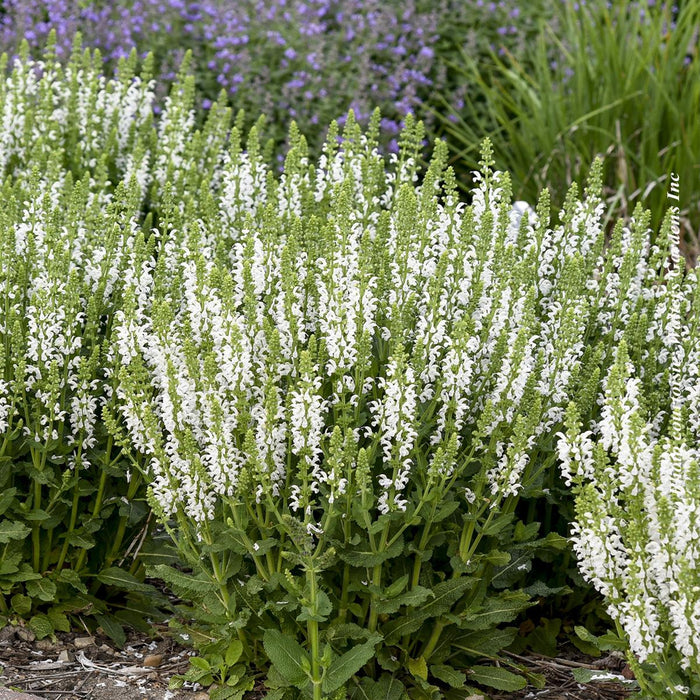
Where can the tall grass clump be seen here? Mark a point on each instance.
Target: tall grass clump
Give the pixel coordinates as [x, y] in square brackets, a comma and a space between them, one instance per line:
[617, 80]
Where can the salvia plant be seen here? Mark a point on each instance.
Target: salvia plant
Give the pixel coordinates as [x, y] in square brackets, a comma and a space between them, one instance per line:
[71, 505]
[635, 475]
[344, 380]
[340, 384]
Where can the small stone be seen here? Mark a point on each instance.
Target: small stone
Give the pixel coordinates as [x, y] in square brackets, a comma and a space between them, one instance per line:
[153, 676]
[7, 635]
[25, 634]
[83, 642]
[153, 660]
[66, 657]
[628, 673]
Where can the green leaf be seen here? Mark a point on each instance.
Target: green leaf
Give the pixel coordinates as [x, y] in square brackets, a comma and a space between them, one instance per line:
[80, 539]
[323, 609]
[234, 651]
[497, 609]
[606, 642]
[59, 620]
[418, 668]
[367, 558]
[181, 581]
[21, 604]
[347, 665]
[395, 588]
[387, 688]
[445, 595]
[43, 589]
[200, 663]
[41, 626]
[112, 629]
[12, 530]
[226, 693]
[497, 678]
[6, 498]
[411, 599]
[286, 655]
[119, 578]
[72, 579]
[37, 515]
[486, 643]
[449, 675]
[505, 576]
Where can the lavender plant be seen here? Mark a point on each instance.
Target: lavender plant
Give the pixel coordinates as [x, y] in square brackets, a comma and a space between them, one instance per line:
[272, 57]
[635, 476]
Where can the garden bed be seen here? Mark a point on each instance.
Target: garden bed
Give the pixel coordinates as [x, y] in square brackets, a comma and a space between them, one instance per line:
[89, 667]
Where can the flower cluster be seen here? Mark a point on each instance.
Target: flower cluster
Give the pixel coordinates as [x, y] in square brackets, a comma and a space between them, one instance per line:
[635, 476]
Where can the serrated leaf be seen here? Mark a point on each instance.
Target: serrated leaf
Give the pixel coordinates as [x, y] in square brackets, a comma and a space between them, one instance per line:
[72, 579]
[59, 620]
[410, 599]
[367, 558]
[346, 666]
[80, 539]
[498, 609]
[12, 530]
[539, 589]
[6, 498]
[486, 643]
[112, 629]
[418, 668]
[43, 589]
[445, 595]
[387, 688]
[449, 675]
[505, 576]
[223, 692]
[119, 578]
[41, 626]
[286, 655]
[21, 604]
[497, 678]
[324, 607]
[179, 580]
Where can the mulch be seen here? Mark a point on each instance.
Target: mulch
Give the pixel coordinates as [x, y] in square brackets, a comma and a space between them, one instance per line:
[90, 667]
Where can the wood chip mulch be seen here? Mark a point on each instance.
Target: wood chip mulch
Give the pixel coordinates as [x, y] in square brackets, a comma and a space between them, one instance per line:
[87, 667]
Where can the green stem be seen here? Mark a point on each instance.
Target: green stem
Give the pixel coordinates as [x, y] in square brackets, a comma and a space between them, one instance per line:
[377, 581]
[312, 628]
[98, 502]
[434, 639]
[343, 612]
[36, 539]
[71, 527]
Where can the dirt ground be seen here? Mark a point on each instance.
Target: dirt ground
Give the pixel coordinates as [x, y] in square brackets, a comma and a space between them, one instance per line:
[84, 667]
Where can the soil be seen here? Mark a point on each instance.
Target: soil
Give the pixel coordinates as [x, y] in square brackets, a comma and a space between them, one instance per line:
[89, 667]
